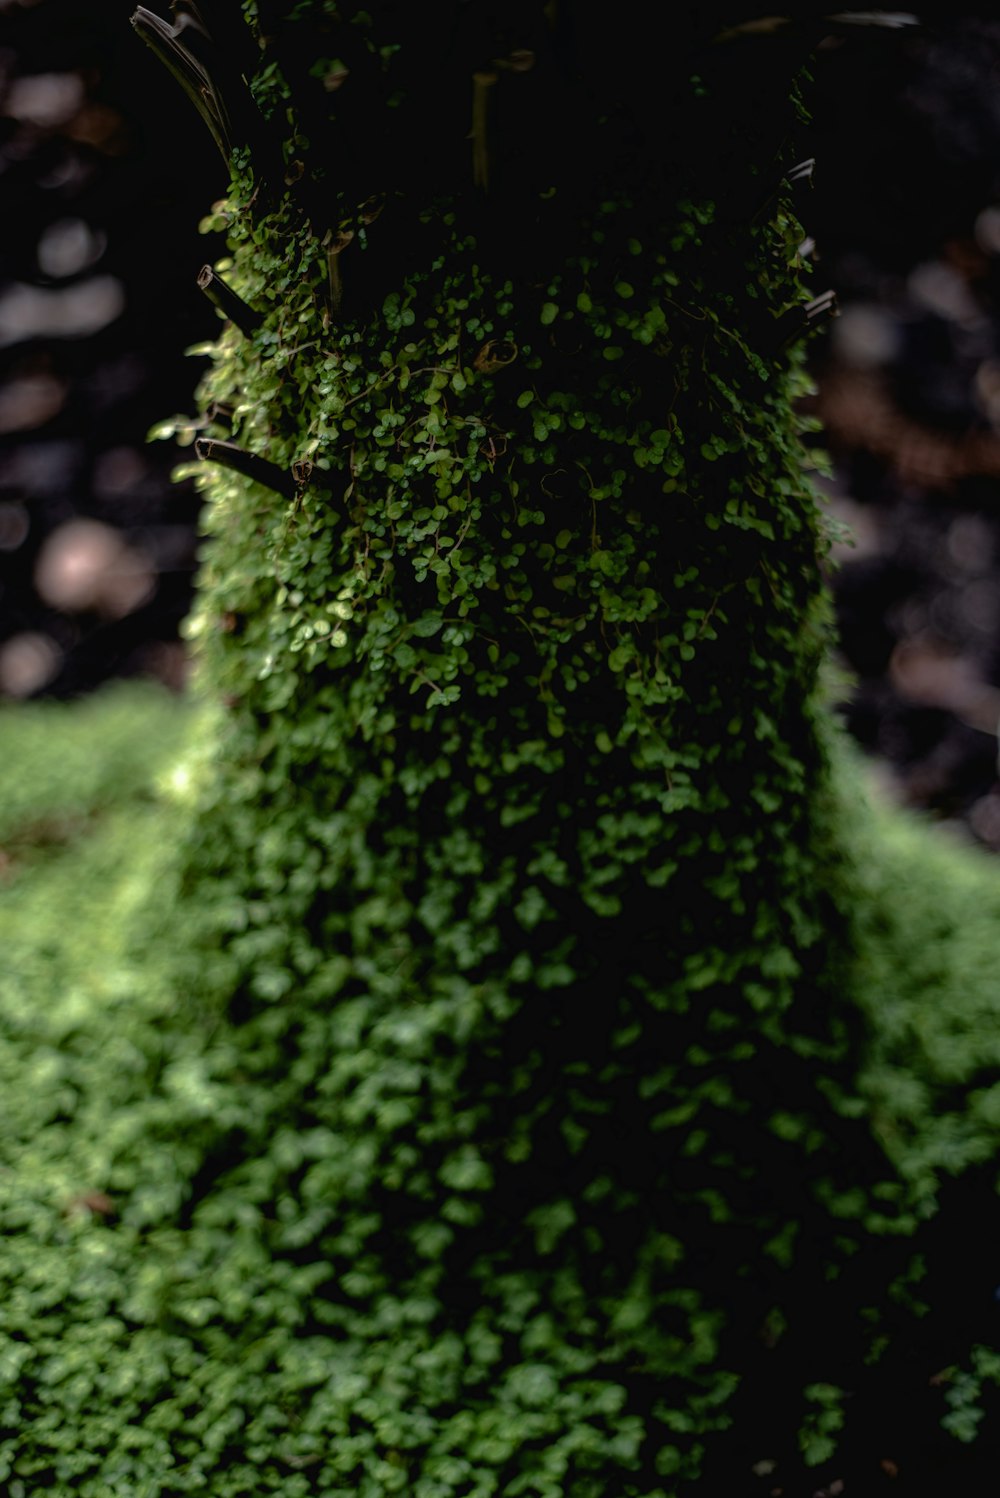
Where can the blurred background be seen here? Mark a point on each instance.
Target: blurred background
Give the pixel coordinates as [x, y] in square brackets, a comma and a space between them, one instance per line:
[105, 172]
[103, 181]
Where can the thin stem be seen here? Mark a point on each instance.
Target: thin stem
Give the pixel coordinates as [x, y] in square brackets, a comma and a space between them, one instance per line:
[335, 246]
[190, 73]
[222, 295]
[251, 465]
[481, 85]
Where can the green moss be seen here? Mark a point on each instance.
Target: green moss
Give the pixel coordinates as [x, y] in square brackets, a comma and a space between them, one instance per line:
[62, 767]
[926, 984]
[466, 1085]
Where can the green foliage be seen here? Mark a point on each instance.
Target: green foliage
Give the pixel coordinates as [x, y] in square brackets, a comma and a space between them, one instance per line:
[458, 1091]
[61, 768]
[925, 935]
[964, 1393]
[824, 1421]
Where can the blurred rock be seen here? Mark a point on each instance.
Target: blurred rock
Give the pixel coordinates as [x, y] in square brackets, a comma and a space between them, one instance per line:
[927, 671]
[47, 100]
[86, 566]
[941, 289]
[971, 543]
[28, 662]
[41, 468]
[984, 819]
[68, 247]
[69, 312]
[987, 230]
[14, 526]
[30, 402]
[865, 336]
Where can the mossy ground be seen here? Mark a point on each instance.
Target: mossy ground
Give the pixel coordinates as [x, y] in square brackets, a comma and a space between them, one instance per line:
[164, 1332]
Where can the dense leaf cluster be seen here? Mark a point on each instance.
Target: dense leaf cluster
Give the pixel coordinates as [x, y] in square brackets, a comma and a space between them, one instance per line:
[476, 1103]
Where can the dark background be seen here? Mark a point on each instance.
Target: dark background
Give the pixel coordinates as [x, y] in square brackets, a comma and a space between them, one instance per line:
[906, 215]
[105, 172]
[103, 181]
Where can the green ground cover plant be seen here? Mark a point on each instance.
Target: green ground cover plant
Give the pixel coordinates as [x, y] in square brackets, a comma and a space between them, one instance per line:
[490, 1047]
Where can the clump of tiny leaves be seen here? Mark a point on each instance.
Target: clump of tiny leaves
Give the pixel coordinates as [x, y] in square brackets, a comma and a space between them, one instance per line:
[488, 1116]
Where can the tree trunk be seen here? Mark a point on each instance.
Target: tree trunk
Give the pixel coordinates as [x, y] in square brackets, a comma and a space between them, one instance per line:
[511, 1137]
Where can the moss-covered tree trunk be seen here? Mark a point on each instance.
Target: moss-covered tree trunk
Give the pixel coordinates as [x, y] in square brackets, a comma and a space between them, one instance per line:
[504, 1132]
